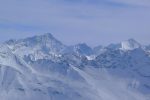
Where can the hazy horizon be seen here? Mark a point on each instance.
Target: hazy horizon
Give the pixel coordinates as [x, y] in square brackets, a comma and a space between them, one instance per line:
[76, 21]
[59, 39]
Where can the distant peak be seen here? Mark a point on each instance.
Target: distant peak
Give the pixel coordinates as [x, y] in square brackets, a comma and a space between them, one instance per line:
[44, 37]
[130, 44]
[132, 40]
[48, 35]
[82, 44]
[83, 49]
[37, 40]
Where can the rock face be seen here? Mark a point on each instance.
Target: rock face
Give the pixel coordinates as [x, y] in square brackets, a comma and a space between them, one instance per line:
[42, 68]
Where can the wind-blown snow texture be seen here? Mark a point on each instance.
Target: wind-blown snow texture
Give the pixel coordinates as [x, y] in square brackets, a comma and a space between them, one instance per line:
[42, 68]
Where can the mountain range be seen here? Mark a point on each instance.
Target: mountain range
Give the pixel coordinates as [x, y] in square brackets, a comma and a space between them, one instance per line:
[43, 68]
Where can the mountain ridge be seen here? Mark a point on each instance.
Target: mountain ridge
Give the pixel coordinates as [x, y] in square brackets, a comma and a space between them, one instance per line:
[41, 68]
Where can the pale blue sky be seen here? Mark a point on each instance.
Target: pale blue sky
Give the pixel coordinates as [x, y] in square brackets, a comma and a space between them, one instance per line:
[73, 21]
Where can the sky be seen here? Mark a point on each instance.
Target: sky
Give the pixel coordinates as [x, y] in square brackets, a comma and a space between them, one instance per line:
[95, 22]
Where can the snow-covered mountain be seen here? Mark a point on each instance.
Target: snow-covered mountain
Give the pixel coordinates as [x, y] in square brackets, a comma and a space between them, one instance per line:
[37, 47]
[133, 64]
[43, 68]
[129, 44]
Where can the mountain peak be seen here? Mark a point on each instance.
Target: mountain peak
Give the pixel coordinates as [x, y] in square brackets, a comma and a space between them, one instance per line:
[83, 48]
[38, 46]
[48, 35]
[82, 45]
[132, 40]
[130, 44]
[44, 37]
